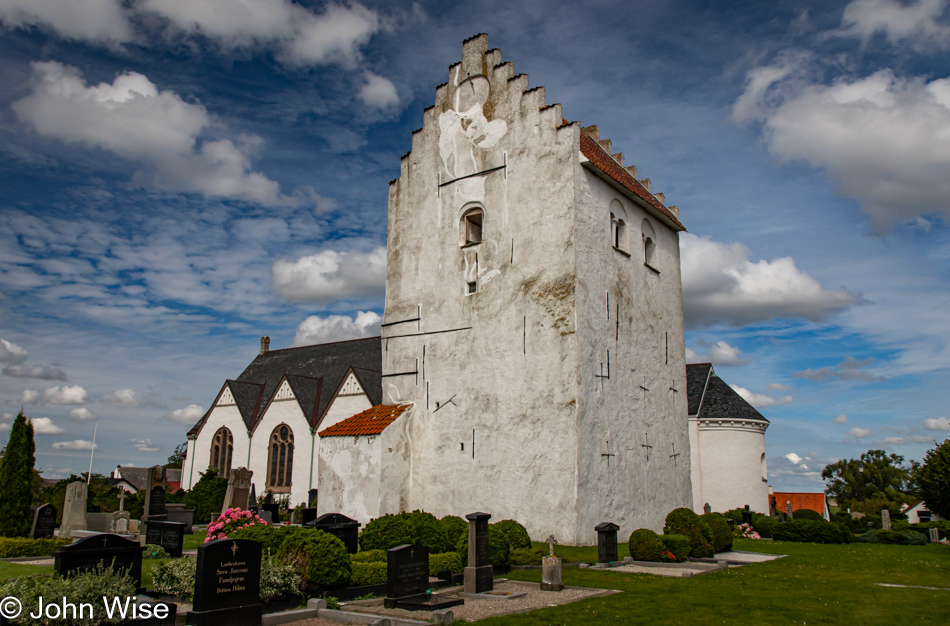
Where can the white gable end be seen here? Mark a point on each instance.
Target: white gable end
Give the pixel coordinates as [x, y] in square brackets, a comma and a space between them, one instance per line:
[351, 387]
[226, 398]
[284, 393]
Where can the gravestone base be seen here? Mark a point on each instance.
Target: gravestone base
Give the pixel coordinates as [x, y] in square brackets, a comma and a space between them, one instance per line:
[248, 615]
[479, 579]
[419, 603]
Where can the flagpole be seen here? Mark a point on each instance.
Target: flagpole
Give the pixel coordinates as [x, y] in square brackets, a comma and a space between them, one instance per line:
[92, 453]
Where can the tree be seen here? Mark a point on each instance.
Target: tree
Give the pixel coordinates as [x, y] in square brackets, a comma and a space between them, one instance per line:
[16, 479]
[884, 482]
[933, 479]
[177, 458]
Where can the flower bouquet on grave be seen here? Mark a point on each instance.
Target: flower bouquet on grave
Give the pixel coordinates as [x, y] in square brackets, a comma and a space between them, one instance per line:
[230, 521]
[745, 531]
[667, 557]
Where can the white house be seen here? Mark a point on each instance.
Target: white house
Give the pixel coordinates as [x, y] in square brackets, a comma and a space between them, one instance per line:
[918, 512]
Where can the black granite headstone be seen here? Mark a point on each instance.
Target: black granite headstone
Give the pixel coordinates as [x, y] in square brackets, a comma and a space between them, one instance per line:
[407, 571]
[747, 515]
[44, 521]
[307, 516]
[272, 507]
[155, 494]
[607, 542]
[341, 526]
[312, 499]
[227, 584]
[168, 535]
[86, 554]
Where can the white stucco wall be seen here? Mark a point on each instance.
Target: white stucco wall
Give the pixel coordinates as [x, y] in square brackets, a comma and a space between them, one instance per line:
[344, 407]
[284, 412]
[732, 468]
[199, 451]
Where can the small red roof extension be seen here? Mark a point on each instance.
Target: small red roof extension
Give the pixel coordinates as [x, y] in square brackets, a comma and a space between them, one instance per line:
[372, 421]
[605, 163]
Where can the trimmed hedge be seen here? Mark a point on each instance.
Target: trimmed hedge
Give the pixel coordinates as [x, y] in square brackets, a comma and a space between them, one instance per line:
[523, 556]
[807, 514]
[11, 547]
[722, 535]
[368, 573]
[454, 527]
[517, 534]
[645, 545]
[683, 521]
[812, 532]
[677, 544]
[498, 544]
[418, 528]
[369, 556]
[764, 525]
[893, 537]
[445, 561]
[319, 557]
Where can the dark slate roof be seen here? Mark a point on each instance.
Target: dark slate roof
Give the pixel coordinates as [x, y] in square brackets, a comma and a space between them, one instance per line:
[247, 396]
[136, 476]
[715, 399]
[307, 391]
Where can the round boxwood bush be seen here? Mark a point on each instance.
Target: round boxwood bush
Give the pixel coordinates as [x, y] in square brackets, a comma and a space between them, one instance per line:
[446, 561]
[683, 521]
[369, 556]
[500, 549]
[678, 545]
[426, 530]
[454, 527]
[319, 557]
[517, 534]
[386, 532]
[807, 514]
[524, 556]
[645, 545]
[270, 537]
[764, 525]
[722, 535]
[368, 573]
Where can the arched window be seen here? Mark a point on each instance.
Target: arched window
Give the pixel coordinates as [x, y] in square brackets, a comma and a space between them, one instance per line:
[222, 447]
[470, 227]
[618, 227]
[280, 459]
[649, 244]
[765, 471]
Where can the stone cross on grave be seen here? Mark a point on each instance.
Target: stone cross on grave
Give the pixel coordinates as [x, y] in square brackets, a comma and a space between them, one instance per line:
[608, 453]
[122, 500]
[674, 455]
[646, 444]
[551, 543]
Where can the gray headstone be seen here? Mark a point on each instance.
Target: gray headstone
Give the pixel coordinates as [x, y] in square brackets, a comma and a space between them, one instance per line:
[239, 489]
[478, 574]
[74, 508]
[885, 519]
[551, 573]
[934, 535]
[788, 509]
[120, 522]
[707, 508]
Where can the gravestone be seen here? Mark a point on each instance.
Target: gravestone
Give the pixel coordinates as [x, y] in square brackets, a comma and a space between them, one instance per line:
[312, 499]
[120, 522]
[227, 584]
[74, 508]
[154, 494]
[885, 519]
[478, 574]
[551, 569]
[178, 513]
[88, 553]
[407, 581]
[707, 508]
[341, 526]
[607, 551]
[267, 516]
[272, 507]
[307, 515]
[252, 500]
[168, 535]
[747, 515]
[788, 509]
[44, 522]
[239, 489]
[934, 535]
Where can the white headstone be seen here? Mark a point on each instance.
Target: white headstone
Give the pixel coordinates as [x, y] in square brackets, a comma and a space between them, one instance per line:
[74, 509]
[885, 519]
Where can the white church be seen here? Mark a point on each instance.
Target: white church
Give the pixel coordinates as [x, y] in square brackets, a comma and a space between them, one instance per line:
[531, 362]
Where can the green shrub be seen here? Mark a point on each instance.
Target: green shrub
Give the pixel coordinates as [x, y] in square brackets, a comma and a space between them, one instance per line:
[736, 515]
[446, 561]
[426, 530]
[368, 573]
[764, 525]
[418, 528]
[268, 536]
[683, 521]
[11, 547]
[523, 556]
[454, 527]
[914, 539]
[319, 557]
[85, 588]
[811, 531]
[722, 535]
[890, 536]
[500, 549]
[868, 537]
[807, 514]
[645, 545]
[176, 577]
[369, 556]
[677, 544]
[279, 579]
[154, 552]
[517, 534]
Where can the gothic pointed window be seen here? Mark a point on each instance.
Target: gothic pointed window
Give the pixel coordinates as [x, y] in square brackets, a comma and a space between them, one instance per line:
[280, 459]
[222, 448]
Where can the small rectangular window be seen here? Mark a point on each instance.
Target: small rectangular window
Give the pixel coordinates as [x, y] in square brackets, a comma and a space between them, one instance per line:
[472, 287]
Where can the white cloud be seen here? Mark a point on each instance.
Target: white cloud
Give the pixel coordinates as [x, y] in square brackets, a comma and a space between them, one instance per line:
[67, 394]
[721, 353]
[693, 357]
[760, 400]
[378, 92]
[884, 139]
[840, 419]
[12, 353]
[778, 387]
[43, 372]
[45, 426]
[721, 285]
[334, 36]
[915, 22]
[940, 423]
[157, 129]
[82, 414]
[144, 445]
[125, 399]
[794, 458]
[76, 444]
[849, 369]
[316, 329]
[859, 432]
[188, 415]
[7, 417]
[329, 275]
[102, 21]
[30, 396]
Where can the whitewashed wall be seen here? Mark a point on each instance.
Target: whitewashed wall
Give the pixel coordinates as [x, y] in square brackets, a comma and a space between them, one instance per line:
[199, 451]
[732, 471]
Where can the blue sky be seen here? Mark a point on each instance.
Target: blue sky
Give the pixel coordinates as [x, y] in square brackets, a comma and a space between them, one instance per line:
[181, 177]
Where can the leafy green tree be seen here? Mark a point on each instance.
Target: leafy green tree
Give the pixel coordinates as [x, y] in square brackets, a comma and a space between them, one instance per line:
[933, 479]
[883, 483]
[16, 479]
[177, 457]
[207, 496]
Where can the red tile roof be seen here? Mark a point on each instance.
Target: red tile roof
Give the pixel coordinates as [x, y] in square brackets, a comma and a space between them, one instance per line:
[372, 421]
[605, 163]
[813, 501]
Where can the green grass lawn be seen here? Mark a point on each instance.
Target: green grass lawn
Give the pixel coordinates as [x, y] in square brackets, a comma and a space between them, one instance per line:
[814, 584]
[15, 570]
[192, 541]
[587, 554]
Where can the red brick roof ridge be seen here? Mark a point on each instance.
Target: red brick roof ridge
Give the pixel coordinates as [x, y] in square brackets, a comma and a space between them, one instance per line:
[606, 163]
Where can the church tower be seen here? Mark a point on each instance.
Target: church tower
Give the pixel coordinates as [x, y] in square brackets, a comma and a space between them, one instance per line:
[533, 316]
